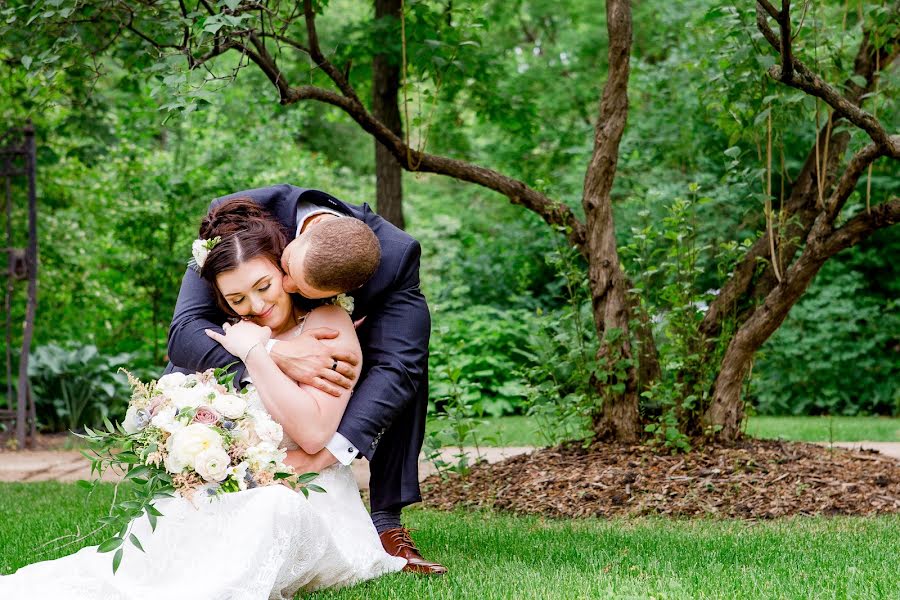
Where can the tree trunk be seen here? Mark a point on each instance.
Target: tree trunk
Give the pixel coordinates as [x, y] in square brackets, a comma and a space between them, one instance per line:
[618, 418]
[801, 207]
[727, 409]
[385, 87]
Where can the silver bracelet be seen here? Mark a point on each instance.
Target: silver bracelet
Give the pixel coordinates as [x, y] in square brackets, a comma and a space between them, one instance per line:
[249, 350]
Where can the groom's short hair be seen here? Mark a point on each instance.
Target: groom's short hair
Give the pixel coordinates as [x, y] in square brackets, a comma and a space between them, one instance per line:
[341, 254]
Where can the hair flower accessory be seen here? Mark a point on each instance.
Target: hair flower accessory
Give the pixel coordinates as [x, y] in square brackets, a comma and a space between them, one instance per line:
[200, 250]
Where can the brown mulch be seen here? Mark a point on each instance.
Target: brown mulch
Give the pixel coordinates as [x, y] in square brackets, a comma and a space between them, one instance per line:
[41, 441]
[754, 479]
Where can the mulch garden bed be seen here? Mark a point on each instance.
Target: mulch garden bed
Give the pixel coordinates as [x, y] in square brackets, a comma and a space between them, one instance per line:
[41, 441]
[754, 479]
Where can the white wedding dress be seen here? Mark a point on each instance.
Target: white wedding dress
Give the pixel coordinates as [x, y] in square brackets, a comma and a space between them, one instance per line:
[259, 544]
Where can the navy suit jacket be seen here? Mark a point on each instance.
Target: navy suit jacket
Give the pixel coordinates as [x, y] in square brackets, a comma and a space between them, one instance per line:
[389, 403]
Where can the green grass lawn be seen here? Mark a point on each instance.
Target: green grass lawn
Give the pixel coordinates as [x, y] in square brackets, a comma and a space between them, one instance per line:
[523, 431]
[499, 556]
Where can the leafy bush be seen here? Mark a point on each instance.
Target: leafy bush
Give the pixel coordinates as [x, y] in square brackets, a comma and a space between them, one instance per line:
[836, 353]
[76, 385]
[473, 350]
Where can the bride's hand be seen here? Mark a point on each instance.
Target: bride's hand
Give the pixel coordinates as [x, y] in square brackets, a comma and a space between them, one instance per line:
[241, 338]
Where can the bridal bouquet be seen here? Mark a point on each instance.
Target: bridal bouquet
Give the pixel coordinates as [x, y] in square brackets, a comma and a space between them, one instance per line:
[194, 435]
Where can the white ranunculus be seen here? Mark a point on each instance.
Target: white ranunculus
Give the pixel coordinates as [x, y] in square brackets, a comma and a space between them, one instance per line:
[245, 433]
[191, 397]
[263, 454]
[130, 424]
[187, 443]
[267, 429]
[212, 464]
[165, 419]
[229, 406]
[173, 466]
[171, 381]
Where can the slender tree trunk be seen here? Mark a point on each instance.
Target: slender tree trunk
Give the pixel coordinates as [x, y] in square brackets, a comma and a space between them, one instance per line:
[619, 418]
[727, 409]
[385, 108]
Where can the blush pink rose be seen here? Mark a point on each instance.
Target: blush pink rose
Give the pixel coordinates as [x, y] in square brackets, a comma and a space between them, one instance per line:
[205, 416]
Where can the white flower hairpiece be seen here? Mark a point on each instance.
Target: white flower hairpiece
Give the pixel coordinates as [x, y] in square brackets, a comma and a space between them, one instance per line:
[200, 250]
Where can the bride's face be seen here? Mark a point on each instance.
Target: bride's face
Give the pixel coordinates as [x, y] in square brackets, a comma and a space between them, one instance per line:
[254, 290]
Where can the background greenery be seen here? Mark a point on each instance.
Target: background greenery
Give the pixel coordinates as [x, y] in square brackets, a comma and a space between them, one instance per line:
[123, 184]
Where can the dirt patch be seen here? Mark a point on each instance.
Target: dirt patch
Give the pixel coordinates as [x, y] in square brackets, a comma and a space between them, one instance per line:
[755, 479]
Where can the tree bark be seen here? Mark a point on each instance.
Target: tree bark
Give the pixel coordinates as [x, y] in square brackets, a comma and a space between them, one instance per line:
[810, 219]
[385, 108]
[618, 418]
[801, 207]
[727, 409]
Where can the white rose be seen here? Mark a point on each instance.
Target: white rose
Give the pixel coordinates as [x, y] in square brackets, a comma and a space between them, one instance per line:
[199, 251]
[187, 443]
[268, 430]
[165, 419]
[229, 406]
[171, 381]
[212, 464]
[246, 434]
[130, 423]
[259, 457]
[190, 397]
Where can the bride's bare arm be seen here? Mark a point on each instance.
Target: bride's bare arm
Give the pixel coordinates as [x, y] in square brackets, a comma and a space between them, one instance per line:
[308, 415]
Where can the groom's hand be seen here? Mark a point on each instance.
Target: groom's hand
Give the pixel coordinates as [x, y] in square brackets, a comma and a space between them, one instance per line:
[305, 359]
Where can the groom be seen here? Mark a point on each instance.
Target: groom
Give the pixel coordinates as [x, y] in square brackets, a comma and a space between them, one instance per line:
[385, 418]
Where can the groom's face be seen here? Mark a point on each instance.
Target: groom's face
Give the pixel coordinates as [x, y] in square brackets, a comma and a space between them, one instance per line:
[294, 281]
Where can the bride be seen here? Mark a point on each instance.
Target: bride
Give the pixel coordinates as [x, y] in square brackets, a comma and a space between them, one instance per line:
[262, 543]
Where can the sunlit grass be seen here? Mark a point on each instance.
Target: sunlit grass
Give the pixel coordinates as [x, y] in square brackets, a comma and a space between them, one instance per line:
[525, 431]
[501, 556]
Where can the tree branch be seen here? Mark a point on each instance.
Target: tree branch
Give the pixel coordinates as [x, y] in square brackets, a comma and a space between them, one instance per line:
[847, 183]
[553, 212]
[784, 24]
[316, 53]
[800, 209]
[267, 65]
[794, 73]
[769, 8]
[286, 40]
[862, 226]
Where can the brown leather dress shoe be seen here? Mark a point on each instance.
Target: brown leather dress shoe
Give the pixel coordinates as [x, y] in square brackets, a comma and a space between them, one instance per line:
[397, 542]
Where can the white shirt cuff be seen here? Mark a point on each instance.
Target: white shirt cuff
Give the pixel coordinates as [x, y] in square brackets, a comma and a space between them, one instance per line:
[341, 448]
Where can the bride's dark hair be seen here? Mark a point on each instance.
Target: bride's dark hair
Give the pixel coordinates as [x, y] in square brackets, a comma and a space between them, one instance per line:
[247, 231]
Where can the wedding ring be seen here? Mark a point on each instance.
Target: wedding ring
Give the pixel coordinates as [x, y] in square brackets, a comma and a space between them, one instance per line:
[334, 366]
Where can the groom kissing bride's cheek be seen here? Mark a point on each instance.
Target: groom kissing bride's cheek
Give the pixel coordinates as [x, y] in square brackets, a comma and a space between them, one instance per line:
[339, 250]
[315, 304]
